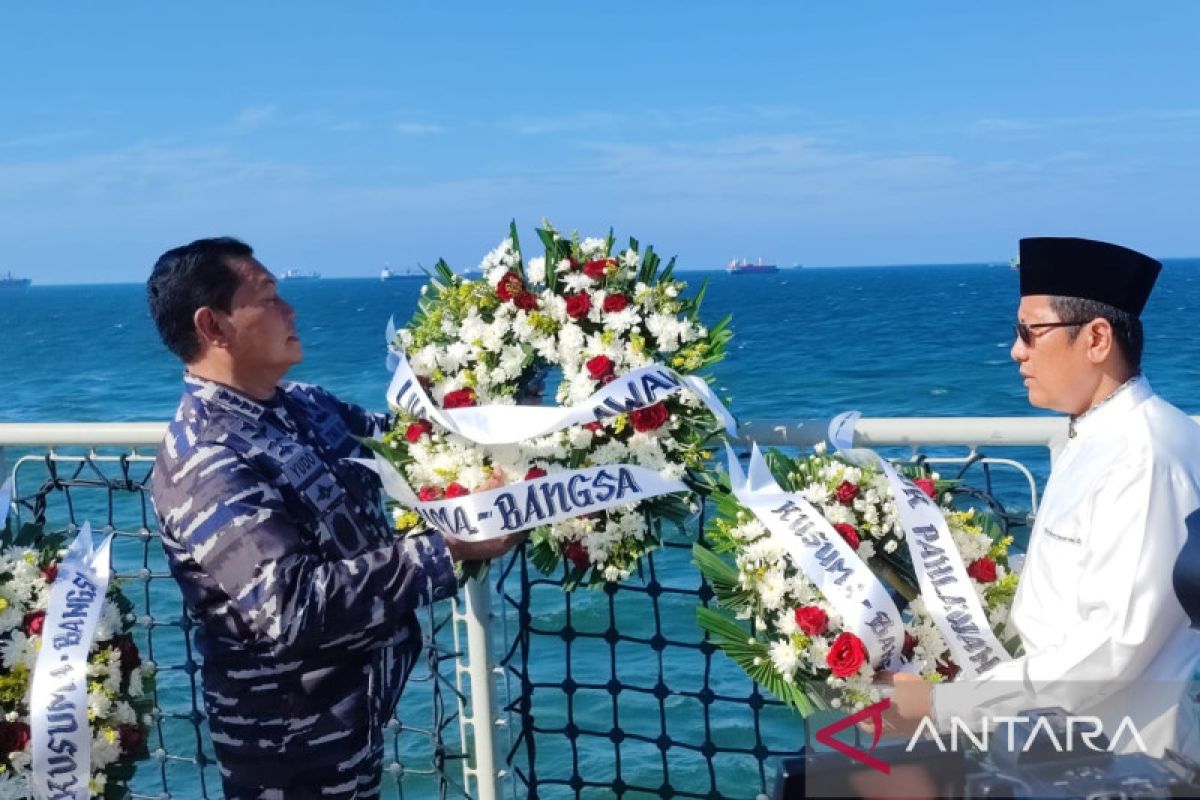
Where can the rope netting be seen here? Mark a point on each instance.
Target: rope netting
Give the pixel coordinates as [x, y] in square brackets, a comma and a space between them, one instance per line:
[60, 491]
[607, 692]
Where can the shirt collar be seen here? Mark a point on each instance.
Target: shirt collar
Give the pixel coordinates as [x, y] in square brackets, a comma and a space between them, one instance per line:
[218, 393]
[1124, 399]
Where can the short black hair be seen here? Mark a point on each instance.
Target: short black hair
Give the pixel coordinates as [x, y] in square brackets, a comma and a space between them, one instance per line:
[188, 278]
[1127, 328]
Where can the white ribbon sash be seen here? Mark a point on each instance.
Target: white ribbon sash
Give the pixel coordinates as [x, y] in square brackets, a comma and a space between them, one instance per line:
[58, 696]
[490, 425]
[945, 586]
[820, 552]
[528, 504]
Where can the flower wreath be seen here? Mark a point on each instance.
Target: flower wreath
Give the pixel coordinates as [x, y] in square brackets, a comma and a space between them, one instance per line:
[573, 320]
[120, 686]
[800, 649]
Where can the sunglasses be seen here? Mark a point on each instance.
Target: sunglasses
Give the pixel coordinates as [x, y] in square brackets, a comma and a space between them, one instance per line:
[1025, 332]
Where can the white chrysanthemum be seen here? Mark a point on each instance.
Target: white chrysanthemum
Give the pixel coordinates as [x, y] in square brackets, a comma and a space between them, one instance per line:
[592, 247]
[106, 747]
[19, 650]
[785, 658]
[629, 258]
[576, 282]
[666, 330]
[535, 270]
[772, 589]
[499, 261]
[99, 705]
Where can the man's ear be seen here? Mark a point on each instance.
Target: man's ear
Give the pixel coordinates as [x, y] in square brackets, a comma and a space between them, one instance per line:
[209, 327]
[1100, 341]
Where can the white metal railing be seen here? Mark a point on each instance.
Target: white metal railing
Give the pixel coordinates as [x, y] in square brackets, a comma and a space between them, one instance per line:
[479, 718]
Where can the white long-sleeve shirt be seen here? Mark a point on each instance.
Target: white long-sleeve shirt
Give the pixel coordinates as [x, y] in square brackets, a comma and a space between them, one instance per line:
[1103, 632]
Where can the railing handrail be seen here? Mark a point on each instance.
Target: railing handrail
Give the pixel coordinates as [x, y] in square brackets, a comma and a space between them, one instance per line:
[871, 432]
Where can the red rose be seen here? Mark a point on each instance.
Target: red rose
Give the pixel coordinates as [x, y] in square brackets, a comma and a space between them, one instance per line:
[33, 622]
[510, 286]
[428, 494]
[578, 305]
[848, 533]
[811, 619]
[535, 472]
[649, 418]
[50, 572]
[982, 570]
[846, 492]
[416, 430]
[576, 553]
[459, 399]
[595, 269]
[615, 302]
[131, 739]
[599, 367]
[593, 426]
[910, 642]
[14, 736]
[526, 301]
[456, 490]
[947, 669]
[846, 655]
[926, 486]
[131, 659]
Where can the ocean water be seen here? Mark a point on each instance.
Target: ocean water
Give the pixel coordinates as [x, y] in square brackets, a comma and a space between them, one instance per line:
[889, 341]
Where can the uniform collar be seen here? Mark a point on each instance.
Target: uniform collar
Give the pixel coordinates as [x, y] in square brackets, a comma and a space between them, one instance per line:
[1124, 399]
[219, 394]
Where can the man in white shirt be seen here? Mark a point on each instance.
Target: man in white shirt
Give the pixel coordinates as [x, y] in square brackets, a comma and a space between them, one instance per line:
[1103, 631]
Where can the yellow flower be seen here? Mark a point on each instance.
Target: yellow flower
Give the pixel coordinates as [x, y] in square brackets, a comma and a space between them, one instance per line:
[3, 604]
[409, 519]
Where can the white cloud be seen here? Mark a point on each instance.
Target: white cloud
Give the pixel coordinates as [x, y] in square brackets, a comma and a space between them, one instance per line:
[253, 118]
[417, 128]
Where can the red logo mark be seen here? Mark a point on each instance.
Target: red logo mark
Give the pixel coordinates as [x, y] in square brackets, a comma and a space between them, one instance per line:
[873, 712]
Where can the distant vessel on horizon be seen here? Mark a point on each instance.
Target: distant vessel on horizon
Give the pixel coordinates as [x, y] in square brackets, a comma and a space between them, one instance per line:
[8, 281]
[386, 274]
[297, 275]
[736, 267]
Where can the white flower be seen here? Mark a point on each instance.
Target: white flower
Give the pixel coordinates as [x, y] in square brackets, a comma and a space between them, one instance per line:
[784, 658]
[592, 247]
[535, 270]
[19, 650]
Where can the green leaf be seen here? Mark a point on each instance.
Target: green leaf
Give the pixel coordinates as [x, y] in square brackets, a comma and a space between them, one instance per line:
[736, 642]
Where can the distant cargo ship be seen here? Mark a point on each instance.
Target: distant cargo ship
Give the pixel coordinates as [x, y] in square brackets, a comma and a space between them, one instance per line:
[7, 281]
[743, 266]
[386, 274]
[297, 275]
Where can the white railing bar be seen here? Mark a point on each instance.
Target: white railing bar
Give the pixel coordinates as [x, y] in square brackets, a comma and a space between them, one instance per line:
[872, 431]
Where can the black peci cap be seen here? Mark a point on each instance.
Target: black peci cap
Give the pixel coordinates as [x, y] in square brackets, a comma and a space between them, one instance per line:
[1069, 267]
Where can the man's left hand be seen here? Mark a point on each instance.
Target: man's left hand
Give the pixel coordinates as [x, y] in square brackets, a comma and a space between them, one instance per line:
[912, 701]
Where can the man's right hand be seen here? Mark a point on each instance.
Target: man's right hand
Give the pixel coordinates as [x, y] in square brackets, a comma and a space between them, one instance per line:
[484, 549]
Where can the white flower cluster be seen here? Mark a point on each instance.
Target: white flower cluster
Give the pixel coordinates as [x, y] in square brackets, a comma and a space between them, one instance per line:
[113, 688]
[492, 342]
[795, 622]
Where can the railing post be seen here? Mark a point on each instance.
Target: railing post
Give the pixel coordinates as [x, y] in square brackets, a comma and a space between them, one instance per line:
[477, 715]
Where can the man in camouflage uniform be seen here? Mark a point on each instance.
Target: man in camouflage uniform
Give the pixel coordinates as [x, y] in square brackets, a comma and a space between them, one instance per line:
[305, 601]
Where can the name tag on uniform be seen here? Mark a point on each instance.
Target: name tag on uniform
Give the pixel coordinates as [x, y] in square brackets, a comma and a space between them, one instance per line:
[301, 466]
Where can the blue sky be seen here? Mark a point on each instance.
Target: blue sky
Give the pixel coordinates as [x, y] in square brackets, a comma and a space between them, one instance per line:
[337, 138]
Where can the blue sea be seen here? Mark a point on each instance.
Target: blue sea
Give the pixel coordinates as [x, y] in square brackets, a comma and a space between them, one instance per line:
[889, 341]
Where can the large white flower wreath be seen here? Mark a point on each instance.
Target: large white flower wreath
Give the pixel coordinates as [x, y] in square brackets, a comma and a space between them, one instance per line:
[572, 320]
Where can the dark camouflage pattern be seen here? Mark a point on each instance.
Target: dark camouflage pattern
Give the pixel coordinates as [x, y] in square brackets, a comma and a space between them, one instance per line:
[304, 599]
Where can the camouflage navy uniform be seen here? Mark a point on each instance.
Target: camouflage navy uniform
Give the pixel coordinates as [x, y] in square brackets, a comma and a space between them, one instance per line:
[305, 602]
